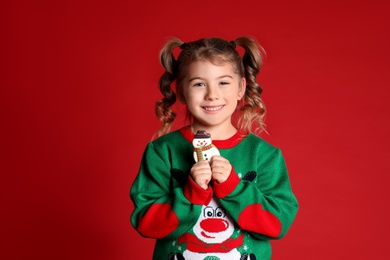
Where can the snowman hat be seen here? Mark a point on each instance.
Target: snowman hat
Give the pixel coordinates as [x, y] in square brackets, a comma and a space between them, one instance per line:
[202, 134]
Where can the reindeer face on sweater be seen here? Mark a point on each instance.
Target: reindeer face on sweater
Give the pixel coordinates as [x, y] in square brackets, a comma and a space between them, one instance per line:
[213, 226]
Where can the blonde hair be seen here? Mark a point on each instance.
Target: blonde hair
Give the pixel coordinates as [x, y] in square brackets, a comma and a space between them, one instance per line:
[218, 51]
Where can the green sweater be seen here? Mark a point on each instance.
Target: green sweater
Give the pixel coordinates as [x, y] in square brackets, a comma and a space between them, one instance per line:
[230, 220]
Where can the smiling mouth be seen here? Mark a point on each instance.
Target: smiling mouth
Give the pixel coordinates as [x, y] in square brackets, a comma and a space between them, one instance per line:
[215, 108]
[206, 236]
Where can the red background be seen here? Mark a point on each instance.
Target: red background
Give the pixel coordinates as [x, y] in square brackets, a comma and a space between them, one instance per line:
[78, 86]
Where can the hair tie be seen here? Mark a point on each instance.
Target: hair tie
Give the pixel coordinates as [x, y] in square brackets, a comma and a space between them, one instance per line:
[233, 43]
[183, 45]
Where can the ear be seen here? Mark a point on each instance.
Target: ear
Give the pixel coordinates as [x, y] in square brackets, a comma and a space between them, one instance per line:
[241, 88]
[182, 99]
[180, 95]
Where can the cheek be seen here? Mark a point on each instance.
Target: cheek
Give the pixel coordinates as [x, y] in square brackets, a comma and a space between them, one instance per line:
[192, 96]
[233, 97]
[190, 103]
[192, 106]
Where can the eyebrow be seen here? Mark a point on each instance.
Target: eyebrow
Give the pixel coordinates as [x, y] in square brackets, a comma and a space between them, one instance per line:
[220, 77]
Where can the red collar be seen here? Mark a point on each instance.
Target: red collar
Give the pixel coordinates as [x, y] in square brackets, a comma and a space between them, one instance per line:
[223, 144]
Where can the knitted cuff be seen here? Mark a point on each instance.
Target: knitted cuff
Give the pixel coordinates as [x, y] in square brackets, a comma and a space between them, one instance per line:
[196, 194]
[223, 189]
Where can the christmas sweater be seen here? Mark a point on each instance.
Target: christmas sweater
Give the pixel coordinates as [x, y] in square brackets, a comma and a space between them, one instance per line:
[235, 219]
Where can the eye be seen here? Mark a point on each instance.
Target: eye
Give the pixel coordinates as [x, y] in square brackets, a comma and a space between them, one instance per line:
[220, 213]
[199, 84]
[224, 83]
[208, 212]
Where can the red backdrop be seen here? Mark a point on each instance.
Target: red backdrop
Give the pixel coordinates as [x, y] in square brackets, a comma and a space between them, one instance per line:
[78, 86]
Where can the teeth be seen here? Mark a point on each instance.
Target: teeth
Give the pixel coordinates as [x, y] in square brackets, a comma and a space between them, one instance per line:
[213, 108]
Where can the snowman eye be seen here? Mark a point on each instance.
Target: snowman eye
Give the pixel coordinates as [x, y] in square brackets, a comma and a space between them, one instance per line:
[208, 212]
[220, 213]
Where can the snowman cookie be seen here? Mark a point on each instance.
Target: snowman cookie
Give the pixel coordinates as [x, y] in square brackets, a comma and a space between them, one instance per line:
[203, 147]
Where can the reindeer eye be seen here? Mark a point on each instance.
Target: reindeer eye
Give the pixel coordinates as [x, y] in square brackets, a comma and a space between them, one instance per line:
[208, 212]
[220, 212]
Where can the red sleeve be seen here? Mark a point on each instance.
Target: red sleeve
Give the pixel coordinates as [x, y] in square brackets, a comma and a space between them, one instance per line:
[196, 194]
[223, 189]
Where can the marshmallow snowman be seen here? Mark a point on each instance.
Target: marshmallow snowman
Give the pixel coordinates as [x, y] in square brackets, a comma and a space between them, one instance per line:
[203, 147]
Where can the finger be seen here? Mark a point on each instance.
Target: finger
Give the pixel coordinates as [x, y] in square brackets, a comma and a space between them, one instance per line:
[221, 167]
[201, 164]
[218, 169]
[218, 177]
[200, 170]
[219, 161]
[202, 180]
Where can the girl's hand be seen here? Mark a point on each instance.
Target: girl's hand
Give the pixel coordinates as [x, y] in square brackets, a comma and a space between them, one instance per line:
[220, 168]
[201, 173]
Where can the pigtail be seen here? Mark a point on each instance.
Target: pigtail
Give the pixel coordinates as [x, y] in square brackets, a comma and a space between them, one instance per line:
[253, 108]
[163, 107]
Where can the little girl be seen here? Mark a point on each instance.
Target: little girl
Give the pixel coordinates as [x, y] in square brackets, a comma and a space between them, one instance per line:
[226, 204]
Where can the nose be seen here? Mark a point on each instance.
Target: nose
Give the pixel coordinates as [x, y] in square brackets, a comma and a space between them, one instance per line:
[212, 93]
[214, 225]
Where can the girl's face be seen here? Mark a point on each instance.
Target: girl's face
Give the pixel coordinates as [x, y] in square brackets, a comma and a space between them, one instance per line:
[211, 93]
